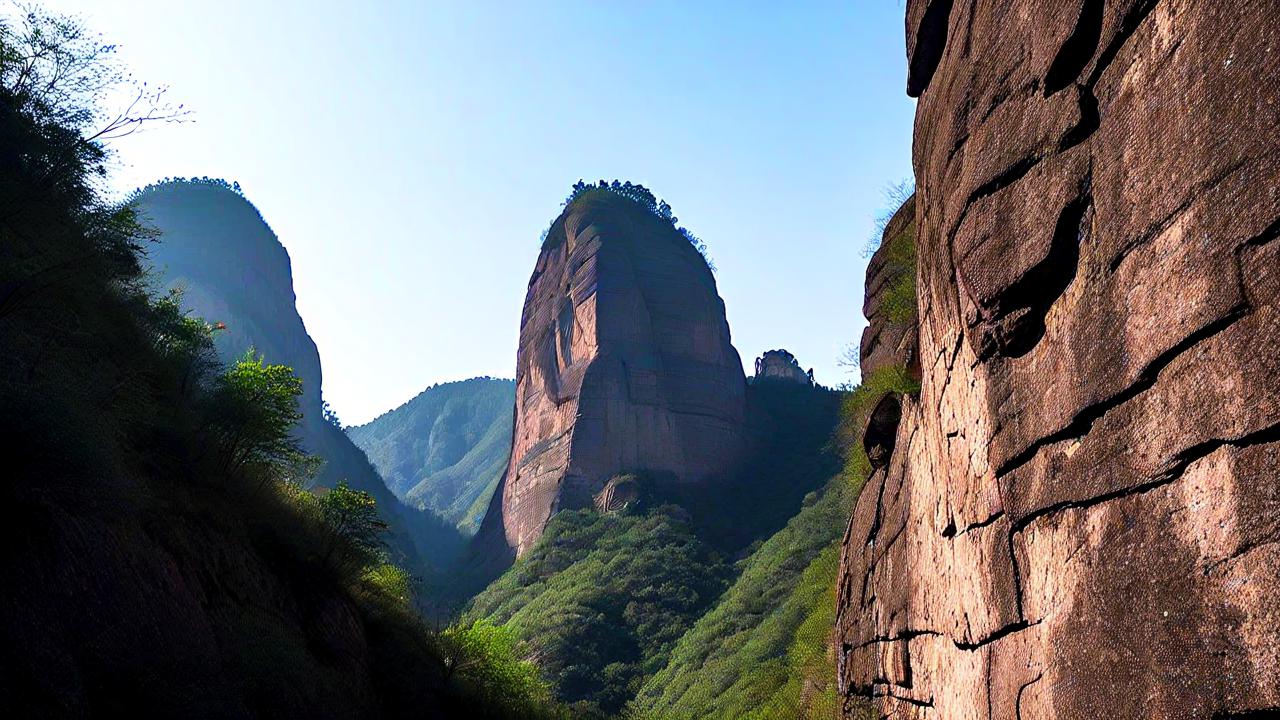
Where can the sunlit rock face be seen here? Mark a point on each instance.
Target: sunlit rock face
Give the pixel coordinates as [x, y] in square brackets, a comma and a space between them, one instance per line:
[1080, 515]
[624, 365]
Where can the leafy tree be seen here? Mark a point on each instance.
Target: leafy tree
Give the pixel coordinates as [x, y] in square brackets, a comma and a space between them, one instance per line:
[352, 515]
[489, 655]
[643, 197]
[254, 408]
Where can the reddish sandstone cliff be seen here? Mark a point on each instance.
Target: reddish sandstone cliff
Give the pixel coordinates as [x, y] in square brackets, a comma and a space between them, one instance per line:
[1079, 514]
[624, 365]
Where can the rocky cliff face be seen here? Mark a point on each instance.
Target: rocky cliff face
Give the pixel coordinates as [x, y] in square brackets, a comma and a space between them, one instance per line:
[624, 365]
[1079, 514]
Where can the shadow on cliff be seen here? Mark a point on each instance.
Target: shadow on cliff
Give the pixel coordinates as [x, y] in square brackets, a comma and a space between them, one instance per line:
[788, 457]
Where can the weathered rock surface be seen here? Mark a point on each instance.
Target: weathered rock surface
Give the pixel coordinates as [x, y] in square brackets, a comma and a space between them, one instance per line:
[1080, 515]
[782, 366]
[624, 365]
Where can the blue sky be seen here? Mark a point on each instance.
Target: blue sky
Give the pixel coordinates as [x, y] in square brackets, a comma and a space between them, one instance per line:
[408, 154]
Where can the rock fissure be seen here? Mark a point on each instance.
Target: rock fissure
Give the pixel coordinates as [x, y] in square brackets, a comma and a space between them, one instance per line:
[996, 636]
[1078, 50]
[1084, 420]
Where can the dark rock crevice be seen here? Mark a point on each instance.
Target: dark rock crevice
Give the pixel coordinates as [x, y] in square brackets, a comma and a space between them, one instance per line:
[999, 634]
[1077, 51]
[1017, 323]
[1182, 461]
[1132, 21]
[931, 41]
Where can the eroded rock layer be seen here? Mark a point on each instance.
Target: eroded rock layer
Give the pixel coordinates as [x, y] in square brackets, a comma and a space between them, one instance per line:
[624, 365]
[1080, 514]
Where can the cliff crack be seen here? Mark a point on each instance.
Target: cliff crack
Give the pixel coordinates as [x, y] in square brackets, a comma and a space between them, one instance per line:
[931, 41]
[1128, 27]
[1017, 705]
[982, 523]
[902, 698]
[1078, 49]
[1082, 423]
[1182, 461]
[1199, 191]
[904, 635]
[997, 635]
[1243, 550]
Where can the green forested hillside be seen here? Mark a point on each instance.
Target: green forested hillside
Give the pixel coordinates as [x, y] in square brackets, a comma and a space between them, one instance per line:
[214, 246]
[446, 449]
[602, 598]
[746, 657]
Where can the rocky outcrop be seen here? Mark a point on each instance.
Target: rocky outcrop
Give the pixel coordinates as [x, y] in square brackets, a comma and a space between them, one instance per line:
[890, 338]
[624, 364]
[781, 366]
[1079, 515]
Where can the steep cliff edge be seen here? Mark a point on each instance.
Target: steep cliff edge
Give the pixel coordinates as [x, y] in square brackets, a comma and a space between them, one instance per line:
[232, 269]
[1078, 515]
[624, 364]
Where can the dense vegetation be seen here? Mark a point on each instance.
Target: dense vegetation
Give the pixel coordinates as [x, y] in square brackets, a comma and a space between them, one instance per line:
[446, 449]
[602, 598]
[644, 198]
[898, 300]
[741, 656]
[162, 556]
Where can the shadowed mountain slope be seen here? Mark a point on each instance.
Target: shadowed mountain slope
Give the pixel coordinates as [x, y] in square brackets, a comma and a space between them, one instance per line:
[446, 449]
[216, 247]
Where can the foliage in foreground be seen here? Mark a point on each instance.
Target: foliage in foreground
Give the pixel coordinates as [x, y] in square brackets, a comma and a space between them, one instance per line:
[153, 503]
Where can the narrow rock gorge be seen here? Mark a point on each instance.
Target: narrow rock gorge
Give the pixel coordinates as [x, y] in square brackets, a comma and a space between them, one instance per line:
[624, 364]
[1078, 515]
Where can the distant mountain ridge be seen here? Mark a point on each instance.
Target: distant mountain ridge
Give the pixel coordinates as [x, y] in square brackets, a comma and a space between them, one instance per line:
[218, 249]
[445, 449]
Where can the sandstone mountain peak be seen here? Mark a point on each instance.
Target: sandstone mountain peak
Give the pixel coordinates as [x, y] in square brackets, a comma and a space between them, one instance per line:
[624, 365]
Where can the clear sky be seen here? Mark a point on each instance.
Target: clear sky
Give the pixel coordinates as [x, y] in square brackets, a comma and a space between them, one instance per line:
[409, 153]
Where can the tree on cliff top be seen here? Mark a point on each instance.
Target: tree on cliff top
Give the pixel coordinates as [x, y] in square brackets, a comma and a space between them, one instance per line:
[642, 196]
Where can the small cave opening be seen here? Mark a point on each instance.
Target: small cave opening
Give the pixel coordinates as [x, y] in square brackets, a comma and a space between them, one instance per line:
[882, 430]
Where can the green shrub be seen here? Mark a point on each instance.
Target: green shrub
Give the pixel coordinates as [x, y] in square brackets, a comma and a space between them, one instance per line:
[488, 658]
[898, 302]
